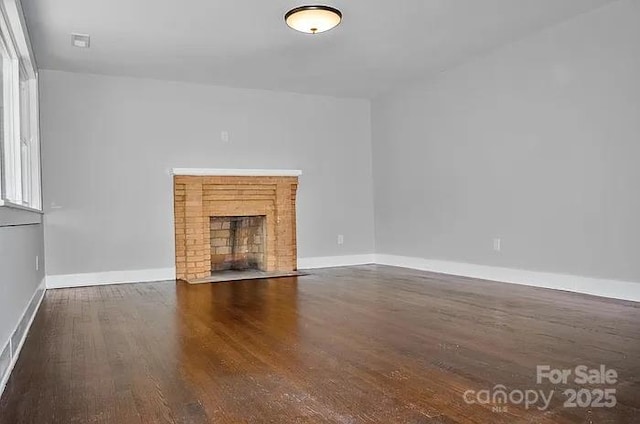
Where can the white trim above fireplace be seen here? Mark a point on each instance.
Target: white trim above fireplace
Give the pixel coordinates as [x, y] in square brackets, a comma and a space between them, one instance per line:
[237, 172]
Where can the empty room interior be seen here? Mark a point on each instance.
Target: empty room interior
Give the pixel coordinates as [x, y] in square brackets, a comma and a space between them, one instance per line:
[355, 211]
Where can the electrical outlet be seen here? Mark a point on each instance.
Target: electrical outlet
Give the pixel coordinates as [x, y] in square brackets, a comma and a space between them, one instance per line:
[224, 136]
[37, 263]
[340, 239]
[497, 244]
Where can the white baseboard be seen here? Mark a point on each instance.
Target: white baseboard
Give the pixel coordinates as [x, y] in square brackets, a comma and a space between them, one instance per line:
[335, 261]
[615, 289]
[110, 277]
[160, 274]
[19, 334]
[594, 286]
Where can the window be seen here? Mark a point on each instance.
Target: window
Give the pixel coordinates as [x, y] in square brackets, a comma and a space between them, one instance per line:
[19, 132]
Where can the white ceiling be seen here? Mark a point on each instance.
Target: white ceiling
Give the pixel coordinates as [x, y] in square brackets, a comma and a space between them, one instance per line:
[245, 43]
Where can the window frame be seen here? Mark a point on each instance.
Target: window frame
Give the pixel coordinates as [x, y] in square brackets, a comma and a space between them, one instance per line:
[19, 153]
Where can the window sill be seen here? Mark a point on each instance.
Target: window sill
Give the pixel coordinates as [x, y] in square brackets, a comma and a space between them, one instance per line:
[12, 214]
[8, 204]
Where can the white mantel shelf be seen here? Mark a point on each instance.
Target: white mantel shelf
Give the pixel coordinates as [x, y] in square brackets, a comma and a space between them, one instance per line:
[237, 172]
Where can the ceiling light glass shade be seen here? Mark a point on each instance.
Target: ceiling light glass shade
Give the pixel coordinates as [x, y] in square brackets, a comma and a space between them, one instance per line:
[313, 19]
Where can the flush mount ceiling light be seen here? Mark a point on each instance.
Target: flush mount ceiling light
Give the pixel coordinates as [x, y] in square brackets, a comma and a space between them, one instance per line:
[313, 19]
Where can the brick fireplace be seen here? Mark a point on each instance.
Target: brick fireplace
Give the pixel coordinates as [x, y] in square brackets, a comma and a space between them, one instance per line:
[234, 219]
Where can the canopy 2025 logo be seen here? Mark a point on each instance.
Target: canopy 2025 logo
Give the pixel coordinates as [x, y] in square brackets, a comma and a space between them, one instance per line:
[600, 397]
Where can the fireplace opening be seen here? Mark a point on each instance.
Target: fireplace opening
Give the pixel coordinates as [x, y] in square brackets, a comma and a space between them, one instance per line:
[237, 243]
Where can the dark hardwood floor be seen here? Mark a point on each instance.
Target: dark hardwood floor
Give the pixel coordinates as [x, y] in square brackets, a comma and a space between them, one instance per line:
[346, 345]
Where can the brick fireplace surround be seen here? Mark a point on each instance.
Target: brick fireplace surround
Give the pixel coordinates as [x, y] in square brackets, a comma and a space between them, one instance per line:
[200, 194]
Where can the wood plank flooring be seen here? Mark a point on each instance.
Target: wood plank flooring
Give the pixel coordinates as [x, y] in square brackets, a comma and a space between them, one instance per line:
[366, 344]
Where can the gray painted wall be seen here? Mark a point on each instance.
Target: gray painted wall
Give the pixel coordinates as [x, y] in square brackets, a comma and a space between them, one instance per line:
[19, 246]
[537, 143]
[109, 142]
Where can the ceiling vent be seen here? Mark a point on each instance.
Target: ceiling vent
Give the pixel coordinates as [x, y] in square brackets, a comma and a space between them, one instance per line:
[80, 40]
